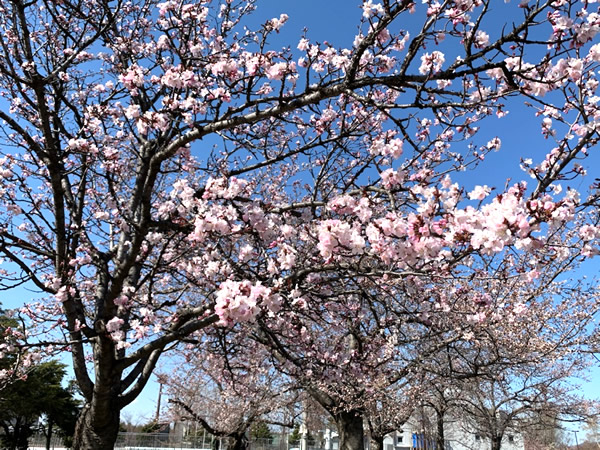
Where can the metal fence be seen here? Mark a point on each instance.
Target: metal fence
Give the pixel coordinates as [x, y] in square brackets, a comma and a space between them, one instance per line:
[38, 442]
[128, 441]
[156, 441]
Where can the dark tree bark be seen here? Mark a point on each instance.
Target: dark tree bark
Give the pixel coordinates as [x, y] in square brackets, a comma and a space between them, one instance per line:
[377, 442]
[350, 430]
[496, 443]
[97, 430]
[49, 433]
[439, 435]
[240, 441]
[16, 438]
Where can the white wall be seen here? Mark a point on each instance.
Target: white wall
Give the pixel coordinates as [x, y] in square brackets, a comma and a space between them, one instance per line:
[458, 437]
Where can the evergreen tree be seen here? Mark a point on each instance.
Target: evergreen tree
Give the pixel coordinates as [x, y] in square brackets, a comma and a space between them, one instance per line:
[294, 438]
[152, 427]
[41, 394]
[261, 431]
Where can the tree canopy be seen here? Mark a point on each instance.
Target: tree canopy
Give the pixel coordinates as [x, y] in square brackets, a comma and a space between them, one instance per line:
[166, 167]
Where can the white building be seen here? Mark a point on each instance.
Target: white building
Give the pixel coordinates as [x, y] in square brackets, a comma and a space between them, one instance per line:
[457, 435]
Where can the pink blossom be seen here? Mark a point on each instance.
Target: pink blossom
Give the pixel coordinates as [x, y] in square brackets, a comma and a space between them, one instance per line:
[343, 204]
[225, 67]
[162, 43]
[482, 39]
[172, 79]
[370, 8]
[122, 300]
[303, 44]
[431, 62]
[589, 232]
[224, 188]
[479, 193]
[575, 68]
[594, 53]
[391, 178]
[134, 77]
[164, 7]
[133, 111]
[276, 24]
[337, 236]
[286, 257]
[246, 253]
[277, 71]
[13, 209]
[114, 324]
[494, 144]
[392, 147]
[239, 300]
[363, 210]
[519, 309]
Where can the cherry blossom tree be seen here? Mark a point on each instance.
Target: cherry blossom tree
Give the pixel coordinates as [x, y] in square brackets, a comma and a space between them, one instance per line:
[359, 347]
[387, 412]
[227, 392]
[517, 375]
[495, 410]
[165, 167]
[15, 360]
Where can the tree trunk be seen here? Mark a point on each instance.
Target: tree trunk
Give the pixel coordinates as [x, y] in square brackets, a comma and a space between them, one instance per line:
[240, 442]
[21, 436]
[49, 433]
[496, 443]
[350, 430]
[440, 438]
[22, 440]
[97, 426]
[96, 430]
[376, 442]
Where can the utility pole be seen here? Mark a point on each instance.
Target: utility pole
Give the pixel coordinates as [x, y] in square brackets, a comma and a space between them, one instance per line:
[576, 441]
[158, 404]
